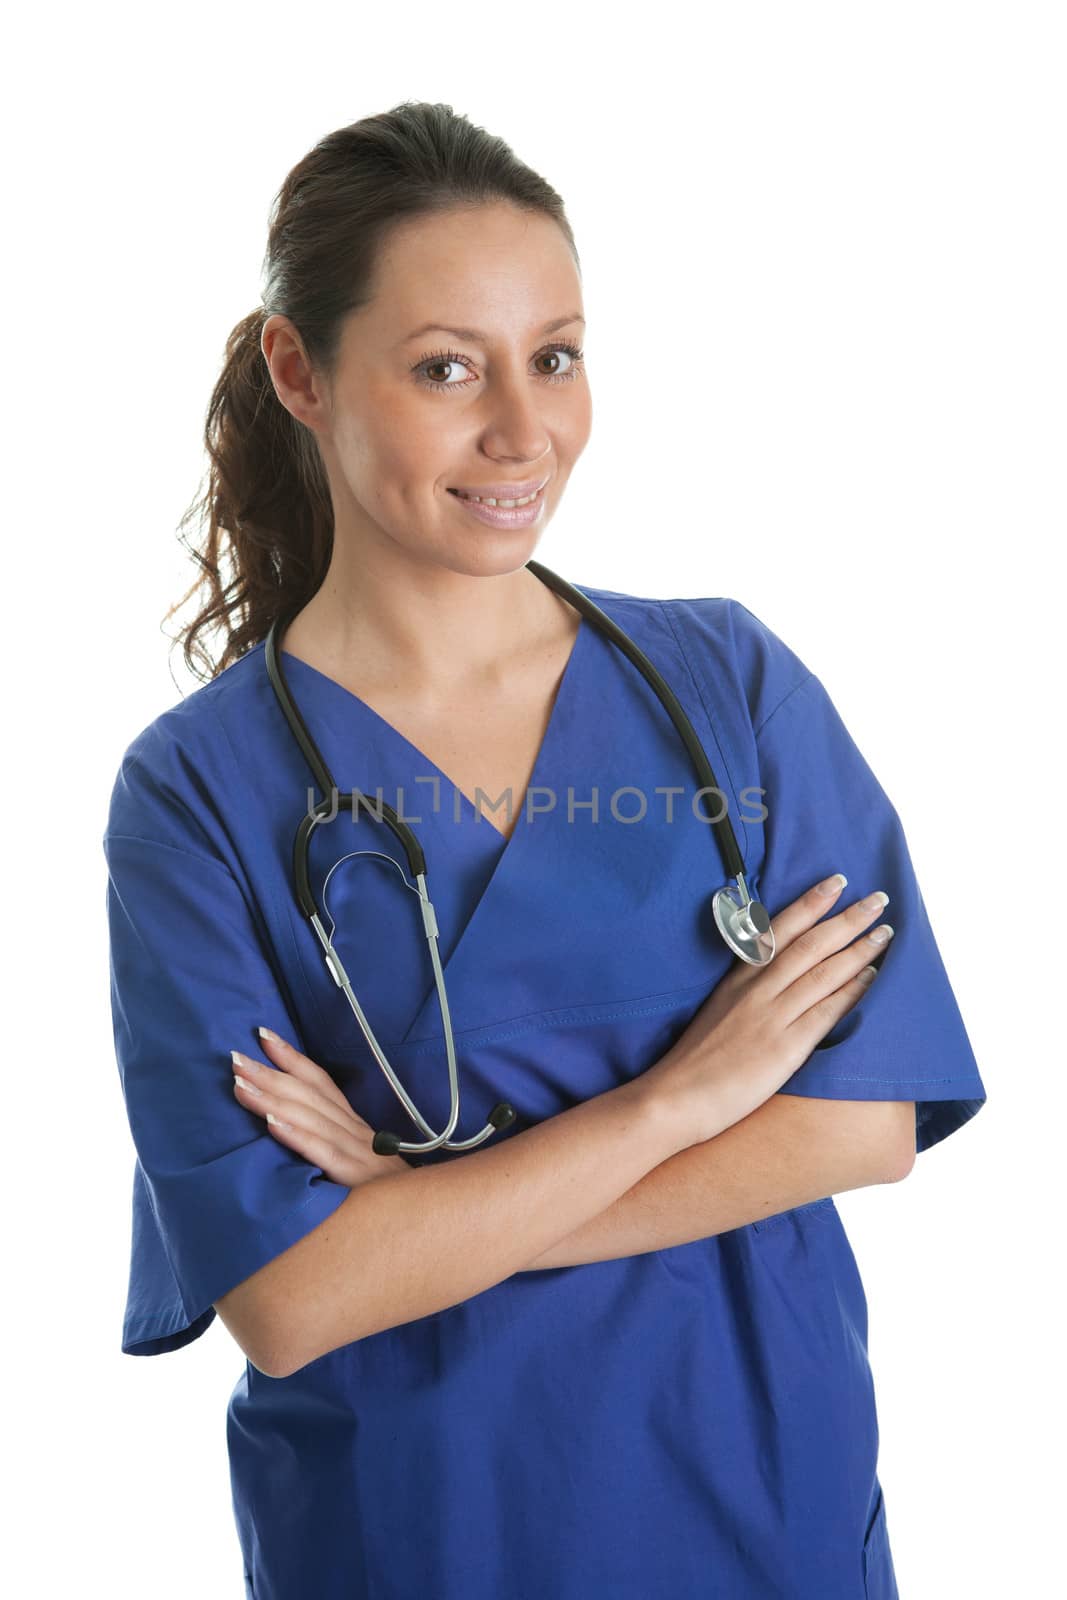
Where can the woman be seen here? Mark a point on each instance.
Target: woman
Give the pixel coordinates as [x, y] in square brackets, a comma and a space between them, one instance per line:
[619, 1348]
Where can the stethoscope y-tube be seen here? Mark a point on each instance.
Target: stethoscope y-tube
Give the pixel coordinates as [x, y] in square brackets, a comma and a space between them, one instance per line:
[743, 922]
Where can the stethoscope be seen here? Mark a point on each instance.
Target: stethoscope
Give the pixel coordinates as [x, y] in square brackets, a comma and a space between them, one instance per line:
[743, 922]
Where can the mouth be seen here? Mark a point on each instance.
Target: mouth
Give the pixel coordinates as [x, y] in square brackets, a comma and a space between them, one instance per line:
[508, 497]
[505, 511]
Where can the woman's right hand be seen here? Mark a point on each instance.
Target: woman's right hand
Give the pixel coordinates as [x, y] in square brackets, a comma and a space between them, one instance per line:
[759, 1024]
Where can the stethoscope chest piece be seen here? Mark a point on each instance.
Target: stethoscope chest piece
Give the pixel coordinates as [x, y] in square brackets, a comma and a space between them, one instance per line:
[745, 925]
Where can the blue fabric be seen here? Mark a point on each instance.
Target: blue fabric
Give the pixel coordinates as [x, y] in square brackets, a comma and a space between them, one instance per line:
[694, 1421]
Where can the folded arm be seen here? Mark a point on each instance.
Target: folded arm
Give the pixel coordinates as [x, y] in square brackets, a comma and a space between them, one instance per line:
[791, 1150]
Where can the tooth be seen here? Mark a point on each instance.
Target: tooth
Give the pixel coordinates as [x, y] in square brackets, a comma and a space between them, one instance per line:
[504, 504]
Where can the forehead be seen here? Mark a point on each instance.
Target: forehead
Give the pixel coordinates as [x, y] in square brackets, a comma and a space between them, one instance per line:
[493, 268]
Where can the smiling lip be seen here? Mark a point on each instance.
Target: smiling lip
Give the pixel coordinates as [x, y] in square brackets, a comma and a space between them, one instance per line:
[500, 491]
[497, 516]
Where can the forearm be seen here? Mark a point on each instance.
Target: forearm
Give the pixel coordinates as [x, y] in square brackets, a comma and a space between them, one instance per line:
[419, 1240]
[789, 1151]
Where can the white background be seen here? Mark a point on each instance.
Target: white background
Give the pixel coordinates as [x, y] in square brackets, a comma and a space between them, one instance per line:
[823, 270]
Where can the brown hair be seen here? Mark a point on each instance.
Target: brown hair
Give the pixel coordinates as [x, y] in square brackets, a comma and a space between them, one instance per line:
[266, 513]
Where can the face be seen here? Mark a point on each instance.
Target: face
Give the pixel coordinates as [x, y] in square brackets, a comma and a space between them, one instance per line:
[411, 416]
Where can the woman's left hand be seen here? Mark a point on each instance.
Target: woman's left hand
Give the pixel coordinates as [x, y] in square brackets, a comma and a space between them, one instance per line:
[312, 1116]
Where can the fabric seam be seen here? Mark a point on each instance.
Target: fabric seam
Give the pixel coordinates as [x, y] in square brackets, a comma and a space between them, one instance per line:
[560, 1016]
[160, 844]
[794, 690]
[891, 1083]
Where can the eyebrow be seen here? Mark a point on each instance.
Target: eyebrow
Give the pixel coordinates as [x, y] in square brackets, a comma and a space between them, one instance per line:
[482, 338]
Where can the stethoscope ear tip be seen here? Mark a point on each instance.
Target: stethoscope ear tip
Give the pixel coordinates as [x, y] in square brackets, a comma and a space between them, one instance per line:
[385, 1143]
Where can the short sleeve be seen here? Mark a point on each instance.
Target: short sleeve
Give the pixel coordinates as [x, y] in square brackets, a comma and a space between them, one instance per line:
[827, 812]
[215, 1196]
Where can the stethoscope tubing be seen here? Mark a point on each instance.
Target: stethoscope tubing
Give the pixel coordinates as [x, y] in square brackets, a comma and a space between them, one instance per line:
[743, 924]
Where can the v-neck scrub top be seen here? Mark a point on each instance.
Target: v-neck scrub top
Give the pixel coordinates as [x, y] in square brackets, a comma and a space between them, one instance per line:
[691, 1421]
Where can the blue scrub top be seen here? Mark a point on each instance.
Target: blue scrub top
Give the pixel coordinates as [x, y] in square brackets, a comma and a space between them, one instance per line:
[697, 1420]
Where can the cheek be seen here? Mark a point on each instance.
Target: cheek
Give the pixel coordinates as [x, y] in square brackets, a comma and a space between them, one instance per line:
[396, 433]
[417, 447]
[576, 424]
[393, 468]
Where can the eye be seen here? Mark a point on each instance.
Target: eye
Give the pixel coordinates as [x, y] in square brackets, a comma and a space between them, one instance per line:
[439, 358]
[447, 358]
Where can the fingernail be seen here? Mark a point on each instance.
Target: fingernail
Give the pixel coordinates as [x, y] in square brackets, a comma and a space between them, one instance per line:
[265, 1033]
[832, 885]
[868, 975]
[251, 1087]
[277, 1124]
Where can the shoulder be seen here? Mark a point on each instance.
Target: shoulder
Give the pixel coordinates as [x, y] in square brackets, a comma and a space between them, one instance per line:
[723, 642]
[173, 772]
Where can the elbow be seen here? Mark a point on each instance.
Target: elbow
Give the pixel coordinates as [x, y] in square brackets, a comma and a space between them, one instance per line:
[295, 1361]
[285, 1356]
[904, 1162]
[902, 1138]
[275, 1369]
[901, 1170]
[293, 1356]
[263, 1339]
[275, 1363]
[267, 1369]
[279, 1362]
[265, 1361]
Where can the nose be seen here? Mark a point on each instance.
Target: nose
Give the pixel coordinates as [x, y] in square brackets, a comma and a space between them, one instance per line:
[515, 420]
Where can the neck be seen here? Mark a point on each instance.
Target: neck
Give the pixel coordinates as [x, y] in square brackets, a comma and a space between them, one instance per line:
[427, 628]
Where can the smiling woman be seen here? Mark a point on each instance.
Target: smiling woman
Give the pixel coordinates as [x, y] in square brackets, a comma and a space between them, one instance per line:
[413, 481]
[625, 1347]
